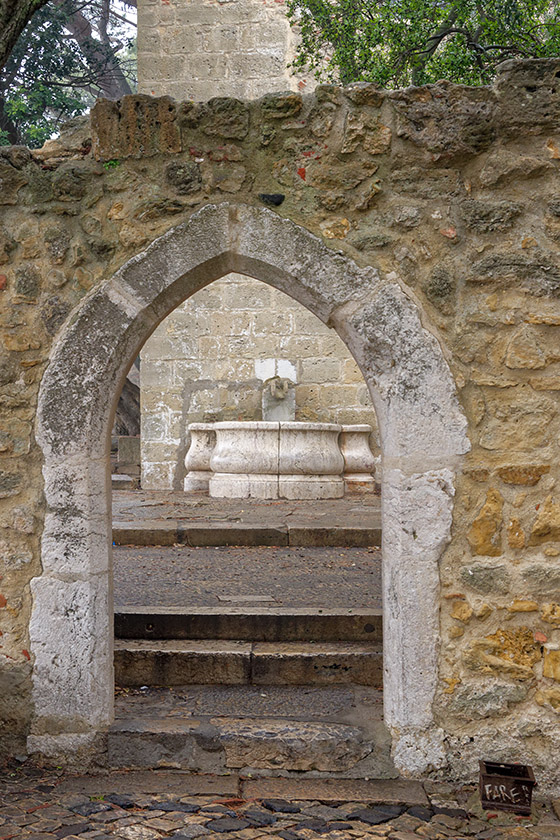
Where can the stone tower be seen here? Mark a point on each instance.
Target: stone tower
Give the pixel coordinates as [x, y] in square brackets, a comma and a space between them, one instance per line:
[198, 49]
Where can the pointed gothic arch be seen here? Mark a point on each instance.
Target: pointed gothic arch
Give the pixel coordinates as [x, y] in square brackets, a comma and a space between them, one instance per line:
[422, 431]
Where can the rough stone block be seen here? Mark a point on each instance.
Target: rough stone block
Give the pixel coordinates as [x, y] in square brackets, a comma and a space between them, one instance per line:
[129, 450]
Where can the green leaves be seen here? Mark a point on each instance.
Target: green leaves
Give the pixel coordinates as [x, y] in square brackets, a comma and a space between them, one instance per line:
[394, 43]
[50, 77]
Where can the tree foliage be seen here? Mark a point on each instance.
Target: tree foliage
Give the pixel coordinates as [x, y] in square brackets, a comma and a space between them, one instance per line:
[70, 52]
[395, 43]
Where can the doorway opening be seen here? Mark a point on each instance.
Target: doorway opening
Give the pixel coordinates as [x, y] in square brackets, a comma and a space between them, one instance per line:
[257, 619]
[422, 434]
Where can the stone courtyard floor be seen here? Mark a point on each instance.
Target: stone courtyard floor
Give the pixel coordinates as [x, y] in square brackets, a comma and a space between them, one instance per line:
[50, 804]
[173, 505]
[229, 577]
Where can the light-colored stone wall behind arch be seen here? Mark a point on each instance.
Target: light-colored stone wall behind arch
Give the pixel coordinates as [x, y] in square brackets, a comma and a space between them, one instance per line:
[208, 359]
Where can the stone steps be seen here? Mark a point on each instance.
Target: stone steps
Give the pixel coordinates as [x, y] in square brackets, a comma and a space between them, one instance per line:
[249, 625]
[172, 532]
[279, 689]
[254, 730]
[219, 662]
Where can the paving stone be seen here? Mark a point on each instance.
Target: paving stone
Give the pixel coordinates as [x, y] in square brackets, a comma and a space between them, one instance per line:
[281, 805]
[89, 808]
[421, 812]
[47, 825]
[218, 808]
[189, 832]
[450, 811]
[123, 800]
[223, 824]
[378, 814]
[323, 812]
[452, 821]
[109, 816]
[259, 818]
[318, 826]
[67, 830]
[137, 832]
[407, 822]
[72, 800]
[177, 806]
[40, 836]
[9, 830]
[162, 824]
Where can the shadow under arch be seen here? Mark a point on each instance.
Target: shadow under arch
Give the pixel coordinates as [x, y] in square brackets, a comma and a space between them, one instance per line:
[422, 433]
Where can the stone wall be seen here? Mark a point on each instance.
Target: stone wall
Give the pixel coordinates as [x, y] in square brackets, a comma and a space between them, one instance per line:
[448, 194]
[204, 48]
[208, 360]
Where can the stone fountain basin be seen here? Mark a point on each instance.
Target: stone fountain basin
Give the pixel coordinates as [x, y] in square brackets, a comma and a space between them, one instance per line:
[277, 460]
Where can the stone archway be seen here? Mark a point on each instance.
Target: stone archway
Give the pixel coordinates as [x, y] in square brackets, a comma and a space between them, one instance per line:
[423, 436]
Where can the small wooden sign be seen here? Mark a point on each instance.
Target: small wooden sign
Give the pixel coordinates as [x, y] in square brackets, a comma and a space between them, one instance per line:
[506, 787]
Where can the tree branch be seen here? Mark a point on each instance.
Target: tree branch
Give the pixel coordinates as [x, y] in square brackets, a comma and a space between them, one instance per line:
[14, 17]
[99, 56]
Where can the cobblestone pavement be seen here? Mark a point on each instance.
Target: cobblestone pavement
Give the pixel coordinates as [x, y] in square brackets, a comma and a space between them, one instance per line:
[47, 804]
[259, 576]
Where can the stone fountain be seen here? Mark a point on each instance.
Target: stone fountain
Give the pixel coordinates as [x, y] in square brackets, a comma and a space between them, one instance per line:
[279, 458]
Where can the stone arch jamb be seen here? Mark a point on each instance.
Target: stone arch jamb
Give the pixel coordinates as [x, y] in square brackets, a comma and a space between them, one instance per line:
[423, 436]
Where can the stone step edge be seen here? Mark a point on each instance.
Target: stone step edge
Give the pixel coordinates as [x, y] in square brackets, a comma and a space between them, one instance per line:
[206, 536]
[257, 624]
[231, 743]
[260, 610]
[321, 789]
[217, 662]
[226, 646]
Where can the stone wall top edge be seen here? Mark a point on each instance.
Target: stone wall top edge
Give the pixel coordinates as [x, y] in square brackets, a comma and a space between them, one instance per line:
[512, 73]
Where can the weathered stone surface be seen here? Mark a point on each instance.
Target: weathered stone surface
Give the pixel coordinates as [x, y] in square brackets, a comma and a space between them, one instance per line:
[551, 614]
[551, 663]
[11, 181]
[492, 700]
[135, 127]
[292, 746]
[281, 105]
[486, 579]
[510, 653]
[515, 534]
[538, 273]
[423, 117]
[462, 611]
[185, 177]
[485, 533]
[546, 527]
[543, 580]
[486, 217]
[549, 696]
[524, 351]
[524, 475]
[227, 118]
[527, 95]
